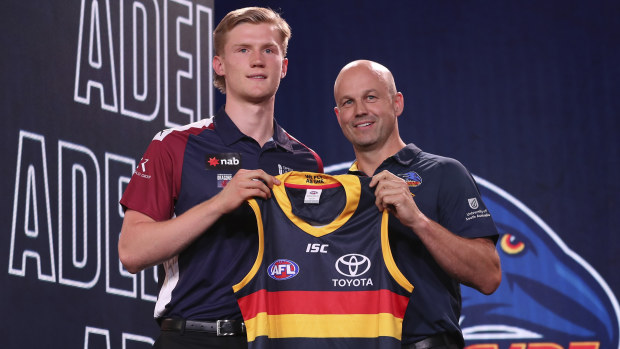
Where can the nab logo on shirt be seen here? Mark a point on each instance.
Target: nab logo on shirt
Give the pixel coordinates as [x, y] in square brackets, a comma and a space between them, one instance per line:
[228, 161]
[283, 269]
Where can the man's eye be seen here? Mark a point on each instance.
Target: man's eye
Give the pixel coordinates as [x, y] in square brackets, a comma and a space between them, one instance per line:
[244, 50]
[370, 98]
[269, 50]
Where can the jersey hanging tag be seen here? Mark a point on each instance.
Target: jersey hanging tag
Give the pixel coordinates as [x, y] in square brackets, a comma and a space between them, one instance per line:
[313, 196]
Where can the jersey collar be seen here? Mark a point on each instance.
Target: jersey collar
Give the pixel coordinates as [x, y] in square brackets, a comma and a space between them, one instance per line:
[299, 180]
[405, 157]
[230, 133]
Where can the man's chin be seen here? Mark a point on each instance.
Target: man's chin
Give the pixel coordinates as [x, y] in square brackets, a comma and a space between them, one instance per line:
[259, 97]
[365, 146]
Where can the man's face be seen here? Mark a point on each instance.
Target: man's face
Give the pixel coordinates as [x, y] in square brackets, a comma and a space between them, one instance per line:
[252, 62]
[365, 108]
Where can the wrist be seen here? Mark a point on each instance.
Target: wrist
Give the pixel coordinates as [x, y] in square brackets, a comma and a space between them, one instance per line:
[420, 224]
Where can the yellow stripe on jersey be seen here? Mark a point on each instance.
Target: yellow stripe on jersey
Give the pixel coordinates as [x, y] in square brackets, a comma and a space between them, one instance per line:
[324, 326]
[388, 258]
[261, 247]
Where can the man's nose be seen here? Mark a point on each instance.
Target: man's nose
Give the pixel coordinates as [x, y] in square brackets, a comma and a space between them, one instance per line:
[257, 59]
[360, 109]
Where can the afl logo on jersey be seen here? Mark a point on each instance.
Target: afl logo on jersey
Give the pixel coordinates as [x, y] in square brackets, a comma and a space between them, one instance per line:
[283, 269]
[353, 265]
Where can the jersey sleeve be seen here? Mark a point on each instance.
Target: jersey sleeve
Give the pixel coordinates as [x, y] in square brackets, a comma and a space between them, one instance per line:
[462, 210]
[153, 187]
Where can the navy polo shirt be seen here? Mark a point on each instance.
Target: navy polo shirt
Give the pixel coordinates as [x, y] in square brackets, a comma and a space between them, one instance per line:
[446, 193]
[185, 166]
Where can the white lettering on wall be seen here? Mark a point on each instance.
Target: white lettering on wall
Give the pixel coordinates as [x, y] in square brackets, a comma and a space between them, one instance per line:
[187, 67]
[79, 239]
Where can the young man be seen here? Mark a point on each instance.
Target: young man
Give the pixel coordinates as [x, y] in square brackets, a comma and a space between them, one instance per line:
[434, 240]
[185, 206]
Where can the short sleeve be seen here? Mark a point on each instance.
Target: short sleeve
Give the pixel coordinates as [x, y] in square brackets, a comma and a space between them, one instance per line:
[152, 189]
[461, 209]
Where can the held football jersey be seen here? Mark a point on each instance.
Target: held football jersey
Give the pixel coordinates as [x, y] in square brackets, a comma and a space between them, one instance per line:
[324, 276]
[185, 166]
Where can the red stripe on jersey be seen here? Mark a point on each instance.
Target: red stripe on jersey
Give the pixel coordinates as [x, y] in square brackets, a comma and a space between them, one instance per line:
[302, 186]
[323, 302]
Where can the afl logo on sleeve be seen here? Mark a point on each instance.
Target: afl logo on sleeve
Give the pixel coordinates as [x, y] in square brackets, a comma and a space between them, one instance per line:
[283, 269]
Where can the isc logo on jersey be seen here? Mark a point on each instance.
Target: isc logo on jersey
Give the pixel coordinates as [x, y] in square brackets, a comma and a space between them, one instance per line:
[283, 269]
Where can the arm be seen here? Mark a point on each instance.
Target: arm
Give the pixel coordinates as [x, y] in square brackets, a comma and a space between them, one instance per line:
[473, 262]
[145, 242]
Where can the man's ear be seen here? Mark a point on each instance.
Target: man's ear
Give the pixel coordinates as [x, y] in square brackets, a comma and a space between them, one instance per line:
[218, 65]
[399, 103]
[337, 111]
[284, 68]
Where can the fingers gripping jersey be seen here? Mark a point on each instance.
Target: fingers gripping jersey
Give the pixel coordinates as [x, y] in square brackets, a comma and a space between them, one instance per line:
[324, 276]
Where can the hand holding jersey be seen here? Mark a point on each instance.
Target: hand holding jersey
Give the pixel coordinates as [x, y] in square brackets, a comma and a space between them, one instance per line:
[393, 194]
[461, 258]
[245, 184]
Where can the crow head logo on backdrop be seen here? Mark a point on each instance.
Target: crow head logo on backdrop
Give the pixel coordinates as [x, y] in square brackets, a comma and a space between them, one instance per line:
[548, 293]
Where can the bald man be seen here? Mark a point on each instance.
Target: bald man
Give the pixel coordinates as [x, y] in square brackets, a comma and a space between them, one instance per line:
[436, 242]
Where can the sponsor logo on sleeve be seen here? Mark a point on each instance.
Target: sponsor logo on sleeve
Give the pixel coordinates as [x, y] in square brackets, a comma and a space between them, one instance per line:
[141, 169]
[473, 203]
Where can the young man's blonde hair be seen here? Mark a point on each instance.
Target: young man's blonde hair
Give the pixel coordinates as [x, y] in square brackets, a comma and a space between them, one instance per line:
[253, 15]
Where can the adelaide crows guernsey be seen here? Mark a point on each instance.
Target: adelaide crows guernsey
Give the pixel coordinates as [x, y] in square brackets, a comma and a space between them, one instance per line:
[324, 276]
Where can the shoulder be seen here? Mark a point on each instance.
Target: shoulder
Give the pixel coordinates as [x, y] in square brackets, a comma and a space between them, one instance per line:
[297, 144]
[174, 140]
[298, 148]
[184, 131]
[447, 174]
[441, 163]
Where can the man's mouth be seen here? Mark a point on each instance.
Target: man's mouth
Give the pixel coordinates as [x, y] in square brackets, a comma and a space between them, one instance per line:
[257, 77]
[364, 124]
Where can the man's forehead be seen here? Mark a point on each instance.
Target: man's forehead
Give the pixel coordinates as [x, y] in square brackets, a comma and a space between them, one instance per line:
[251, 32]
[360, 82]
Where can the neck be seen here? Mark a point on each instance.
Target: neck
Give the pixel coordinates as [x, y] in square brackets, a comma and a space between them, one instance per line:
[368, 160]
[254, 120]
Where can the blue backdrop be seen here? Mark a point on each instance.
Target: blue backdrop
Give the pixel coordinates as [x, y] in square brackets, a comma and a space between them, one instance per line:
[523, 93]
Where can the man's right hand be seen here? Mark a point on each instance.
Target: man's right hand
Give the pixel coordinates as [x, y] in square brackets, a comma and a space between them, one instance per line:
[245, 185]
